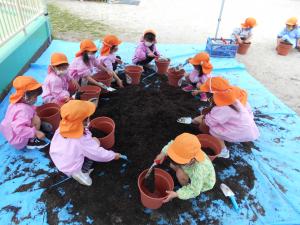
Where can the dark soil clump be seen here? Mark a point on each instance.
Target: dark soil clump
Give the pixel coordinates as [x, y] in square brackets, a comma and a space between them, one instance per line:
[209, 151]
[145, 122]
[97, 133]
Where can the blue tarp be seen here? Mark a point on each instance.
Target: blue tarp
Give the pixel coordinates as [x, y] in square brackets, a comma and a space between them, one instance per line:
[275, 160]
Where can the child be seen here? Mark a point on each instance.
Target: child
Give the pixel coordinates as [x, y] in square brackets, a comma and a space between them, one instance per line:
[21, 125]
[73, 148]
[193, 168]
[291, 33]
[85, 64]
[230, 118]
[202, 69]
[146, 51]
[244, 33]
[108, 58]
[55, 87]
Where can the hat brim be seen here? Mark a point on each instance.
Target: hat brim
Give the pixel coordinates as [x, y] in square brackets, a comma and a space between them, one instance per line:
[59, 63]
[194, 62]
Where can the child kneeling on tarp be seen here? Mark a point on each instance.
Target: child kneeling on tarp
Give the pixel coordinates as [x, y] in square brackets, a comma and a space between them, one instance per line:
[230, 118]
[21, 125]
[194, 170]
[73, 149]
[291, 33]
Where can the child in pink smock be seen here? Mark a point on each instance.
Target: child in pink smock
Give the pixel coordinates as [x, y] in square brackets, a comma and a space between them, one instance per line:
[108, 58]
[21, 125]
[85, 65]
[73, 149]
[231, 118]
[202, 69]
[55, 87]
[146, 51]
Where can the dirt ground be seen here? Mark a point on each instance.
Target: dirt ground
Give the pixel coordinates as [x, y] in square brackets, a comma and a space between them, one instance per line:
[192, 21]
[145, 121]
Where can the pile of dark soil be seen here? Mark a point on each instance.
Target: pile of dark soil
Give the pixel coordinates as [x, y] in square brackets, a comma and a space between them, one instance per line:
[145, 121]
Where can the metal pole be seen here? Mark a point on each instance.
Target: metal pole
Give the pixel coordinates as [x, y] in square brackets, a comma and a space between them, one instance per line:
[219, 19]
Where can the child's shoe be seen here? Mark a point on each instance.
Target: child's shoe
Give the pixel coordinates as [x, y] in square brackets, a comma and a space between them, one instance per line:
[35, 143]
[224, 153]
[83, 178]
[188, 88]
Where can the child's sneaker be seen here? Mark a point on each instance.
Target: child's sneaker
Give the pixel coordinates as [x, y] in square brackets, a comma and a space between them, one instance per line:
[35, 143]
[83, 178]
[188, 88]
[224, 153]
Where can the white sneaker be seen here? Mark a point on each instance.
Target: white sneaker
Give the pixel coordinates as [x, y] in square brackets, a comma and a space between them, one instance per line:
[224, 153]
[83, 178]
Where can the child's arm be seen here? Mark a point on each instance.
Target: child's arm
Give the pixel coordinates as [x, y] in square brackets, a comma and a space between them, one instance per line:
[218, 115]
[57, 90]
[22, 125]
[160, 157]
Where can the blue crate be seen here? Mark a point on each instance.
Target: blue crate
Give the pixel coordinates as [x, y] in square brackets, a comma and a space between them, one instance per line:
[216, 48]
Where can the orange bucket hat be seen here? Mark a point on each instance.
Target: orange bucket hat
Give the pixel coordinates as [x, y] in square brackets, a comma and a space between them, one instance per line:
[223, 93]
[73, 113]
[23, 84]
[184, 148]
[86, 45]
[202, 59]
[58, 58]
[241, 95]
[249, 23]
[108, 42]
[292, 21]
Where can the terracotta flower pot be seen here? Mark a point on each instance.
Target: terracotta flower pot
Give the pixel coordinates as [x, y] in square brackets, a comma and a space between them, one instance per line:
[134, 72]
[107, 126]
[243, 48]
[50, 116]
[103, 77]
[71, 88]
[89, 92]
[283, 48]
[208, 141]
[174, 76]
[162, 65]
[163, 182]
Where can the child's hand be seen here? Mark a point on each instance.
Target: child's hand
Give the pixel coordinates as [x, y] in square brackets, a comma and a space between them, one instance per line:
[39, 134]
[117, 156]
[160, 158]
[194, 93]
[120, 83]
[170, 196]
[151, 54]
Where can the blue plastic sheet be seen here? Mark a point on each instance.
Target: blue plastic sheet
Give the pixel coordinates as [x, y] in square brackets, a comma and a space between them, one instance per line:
[275, 160]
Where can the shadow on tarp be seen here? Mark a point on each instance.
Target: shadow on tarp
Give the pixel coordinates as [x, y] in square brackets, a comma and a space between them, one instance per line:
[275, 160]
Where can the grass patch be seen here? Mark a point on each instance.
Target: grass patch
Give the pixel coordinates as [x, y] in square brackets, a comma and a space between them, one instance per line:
[67, 26]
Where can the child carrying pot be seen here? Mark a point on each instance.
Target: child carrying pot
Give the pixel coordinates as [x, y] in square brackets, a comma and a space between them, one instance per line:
[146, 51]
[201, 72]
[243, 34]
[85, 65]
[291, 33]
[21, 125]
[108, 58]
[230, 118]
[55, 87]
[73, 149]
[193, 168]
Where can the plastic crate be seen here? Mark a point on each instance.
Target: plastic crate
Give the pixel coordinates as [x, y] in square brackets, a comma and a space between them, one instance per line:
[217, 48]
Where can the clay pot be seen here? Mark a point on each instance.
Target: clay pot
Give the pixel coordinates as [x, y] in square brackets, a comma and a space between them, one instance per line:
[174, 76]
[134, 72]
[162, 65]
[243, 48]
[103, 77]
[50, 116]
[106, 125]
[208, 141]
[283, 48]
[163, 182]
[89, 93]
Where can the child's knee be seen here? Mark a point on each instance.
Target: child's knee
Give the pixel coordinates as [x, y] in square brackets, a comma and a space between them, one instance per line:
[182, 177]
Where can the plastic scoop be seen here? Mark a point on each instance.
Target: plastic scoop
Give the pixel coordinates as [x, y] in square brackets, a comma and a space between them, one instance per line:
[185, 120]
[229, 193]
[124, 157]
[180, 66]
[110, 89]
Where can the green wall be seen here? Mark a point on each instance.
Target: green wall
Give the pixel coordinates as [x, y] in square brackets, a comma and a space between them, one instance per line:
[18, 52]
